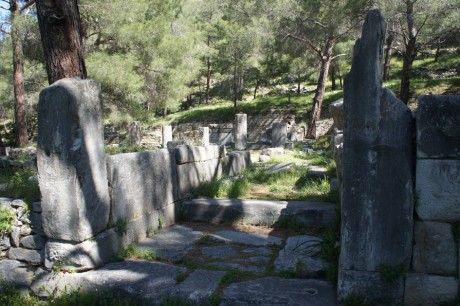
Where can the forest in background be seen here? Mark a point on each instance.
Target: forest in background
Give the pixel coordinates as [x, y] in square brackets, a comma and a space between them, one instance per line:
[161, 56]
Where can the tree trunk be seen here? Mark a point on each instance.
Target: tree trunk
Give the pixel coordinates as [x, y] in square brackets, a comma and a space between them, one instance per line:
[18, 77]
[255, 88]
[321, 87]
[438, 49]
[208, 74]
[60, 30]
[409, 53]
[334, 85]
[386, 64]
[298, 85]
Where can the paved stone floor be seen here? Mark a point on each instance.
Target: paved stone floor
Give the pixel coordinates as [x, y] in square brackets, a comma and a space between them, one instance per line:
[205, 263]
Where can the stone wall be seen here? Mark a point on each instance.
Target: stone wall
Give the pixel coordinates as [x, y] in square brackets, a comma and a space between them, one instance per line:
[93, 205]
[398, 247]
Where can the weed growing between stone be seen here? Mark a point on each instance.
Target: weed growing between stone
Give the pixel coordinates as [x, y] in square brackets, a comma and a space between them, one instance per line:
[131, 251]
[355, 299]
[392, 273]
[6, 221]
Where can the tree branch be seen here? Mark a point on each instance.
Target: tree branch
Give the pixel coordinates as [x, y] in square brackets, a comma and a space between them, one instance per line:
[307, 42]
[27, 5]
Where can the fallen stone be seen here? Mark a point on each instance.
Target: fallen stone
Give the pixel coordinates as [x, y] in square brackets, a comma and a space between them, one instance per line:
[15, 274]
[35, 242]
[30, 256]
[301, 255]
[220, 252]
[173, 243]
[18, 203]
[279, 291]
[264, 158]
[254, 239]
[315, 171]
[71, 160]
[438, 118]
[198, 286]
[429, 290]
[273, 151]
[276, 168]
[435, 249]
[437, 190]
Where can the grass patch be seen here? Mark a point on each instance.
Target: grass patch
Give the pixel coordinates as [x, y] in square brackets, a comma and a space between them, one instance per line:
[354, 299]
[392, 273]
[234, 276]
[6, 221]
[19, 186]
[131, 251]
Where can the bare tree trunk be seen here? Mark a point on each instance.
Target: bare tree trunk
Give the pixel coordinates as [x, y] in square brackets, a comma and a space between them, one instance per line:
[334, 85]
[438, 49]
[60, 30]
[256, 88]
[208, 75]
[321, 87]
[18, 77]
[386, 64]
[409, 53]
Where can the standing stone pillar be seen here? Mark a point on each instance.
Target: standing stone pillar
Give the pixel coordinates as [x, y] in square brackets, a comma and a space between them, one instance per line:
[166, 135]
[134, 133]
[204, 136]
[241, 131]
[377, 205]
[71, 160]
[279, 134]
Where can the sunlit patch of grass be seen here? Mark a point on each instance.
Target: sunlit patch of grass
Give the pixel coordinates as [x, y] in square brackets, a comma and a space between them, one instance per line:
[131, 251]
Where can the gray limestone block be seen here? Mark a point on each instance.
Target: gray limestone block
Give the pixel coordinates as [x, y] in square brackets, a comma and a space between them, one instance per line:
[437, 190]
[236, 162]
[82, 256]
[5, 242]
[337, 113]
[71, 160]
[166, 135]
[300, 254]
[141, 182]
[279, 134]
[32, 257]
[199, 286]
[135, 133]
[191, 175]
[15, 234]
[240, 131]
[377, 207]
[35, 242]
[190, 154]
[370, 285]
[271, 291]
[253, 239]
[435, 249]
[37, 207]
[18, 203]
[5, 202]
[429, 290]
[15, 274]
[220, 252]
[204, 136]
[438, 119]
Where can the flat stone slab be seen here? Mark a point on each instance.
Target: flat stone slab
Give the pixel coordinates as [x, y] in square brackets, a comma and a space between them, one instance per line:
[310, 214]
[279, 291]
[254, 239]
[258, 251]
[236, 266]
[301, 252]
[198, 286]
[220, 252]
[276, 168]
[151, 281]
[173, 243]
[15, 273]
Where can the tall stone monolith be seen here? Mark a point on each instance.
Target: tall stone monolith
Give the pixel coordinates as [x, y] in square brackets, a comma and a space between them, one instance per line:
[377, 206]
[166, 133]
[71, 160]
[204, 136]
[240, 131]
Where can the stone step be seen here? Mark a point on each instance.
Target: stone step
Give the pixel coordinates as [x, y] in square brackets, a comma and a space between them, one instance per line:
[258, 212]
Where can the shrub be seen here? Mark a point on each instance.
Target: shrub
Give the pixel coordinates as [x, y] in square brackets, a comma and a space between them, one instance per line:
[6, 221]
[20, 186]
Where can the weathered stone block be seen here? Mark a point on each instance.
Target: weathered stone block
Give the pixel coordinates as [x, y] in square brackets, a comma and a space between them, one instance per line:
[438, 119]
[236, 162]
[15, 274]
[377, 208]
[435, 250]
[279, 134]
[141, 182]
[438, 190]
[370, 285]
[241, 131]
[337, 113]
[190, 154]
[30, 256]
[191, 175]
[35, 242]
[429, 290]
[71, 160]
[166, 135]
